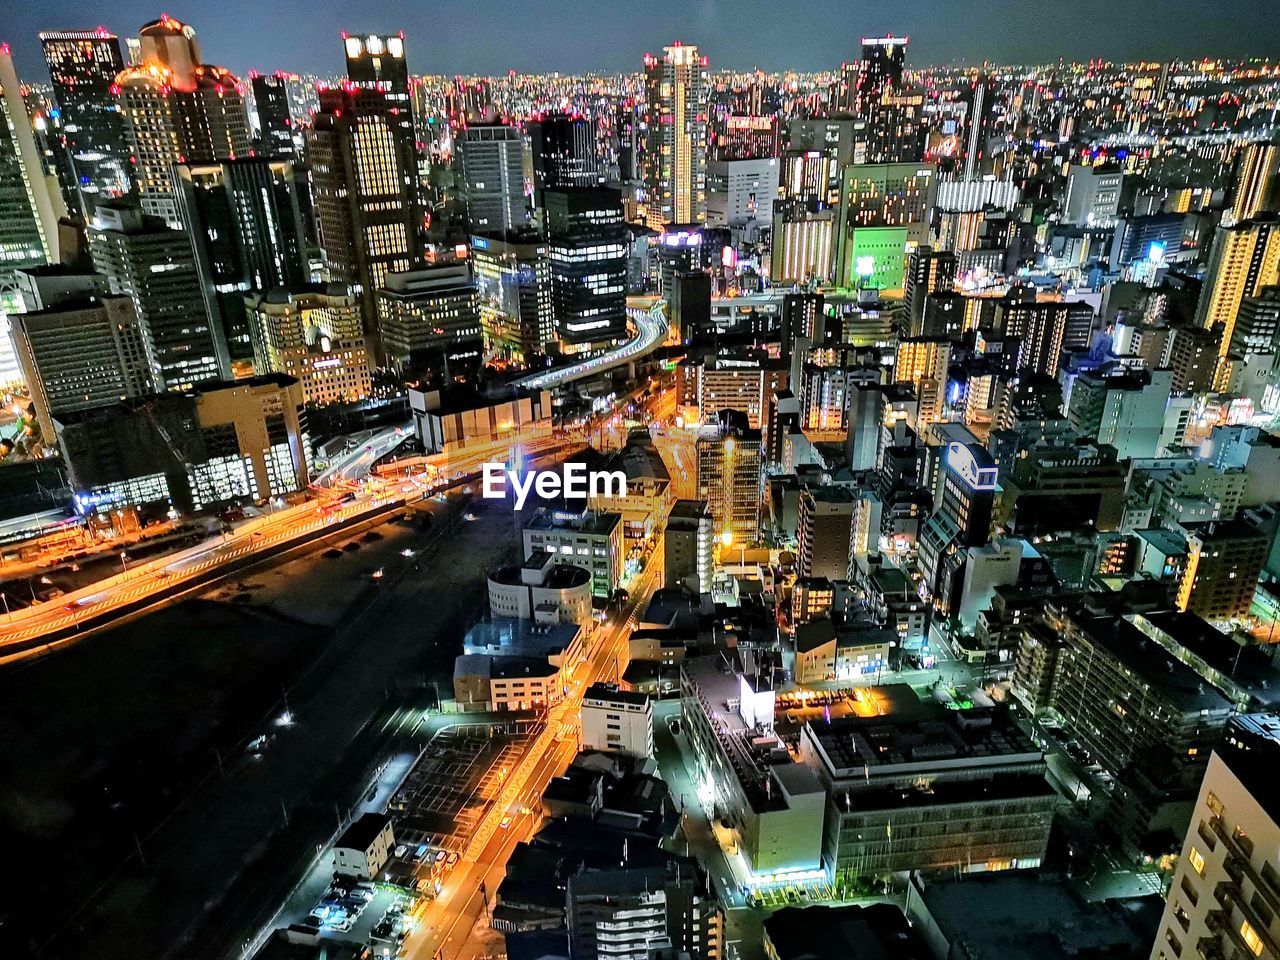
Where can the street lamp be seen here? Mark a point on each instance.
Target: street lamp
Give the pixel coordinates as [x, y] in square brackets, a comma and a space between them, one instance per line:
[124, 562]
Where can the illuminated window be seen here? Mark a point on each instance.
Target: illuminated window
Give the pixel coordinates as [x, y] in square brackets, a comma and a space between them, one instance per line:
[1251, 938]
[1197, 861]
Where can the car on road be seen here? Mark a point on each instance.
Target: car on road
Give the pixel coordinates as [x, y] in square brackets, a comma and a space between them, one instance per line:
[453, 858]
[506, 822]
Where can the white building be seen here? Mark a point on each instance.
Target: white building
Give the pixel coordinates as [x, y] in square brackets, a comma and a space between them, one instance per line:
[740, 194]
[617, 721]
[590, 540]
[1093, 196]
[541, 590]
[364, 847]
[1225, 897]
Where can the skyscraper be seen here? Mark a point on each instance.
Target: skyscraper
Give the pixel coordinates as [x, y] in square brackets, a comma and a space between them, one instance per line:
[376, 62]
[275, 122]
[888, 119]
[145, 259]
[1244, 259]
[729, 454]
[1257, 187]
[245, 225]
[83, 66]
[490, 159]
[586, 245]
[675, 157]
[177, 109]
[877, 72]
[365, 190]
[29, 202]
[565, 153]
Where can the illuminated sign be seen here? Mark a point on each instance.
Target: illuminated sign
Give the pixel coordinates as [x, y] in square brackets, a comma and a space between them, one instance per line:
[866, 266]
[961, 459]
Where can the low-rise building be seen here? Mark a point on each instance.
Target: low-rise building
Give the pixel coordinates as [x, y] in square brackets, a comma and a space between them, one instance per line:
[589, 540]
[932, 789]
[541, 590]
[617, 721]
[451, 421]
[364, 847]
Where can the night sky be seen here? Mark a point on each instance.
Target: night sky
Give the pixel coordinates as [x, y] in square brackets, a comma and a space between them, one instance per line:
[492, 36]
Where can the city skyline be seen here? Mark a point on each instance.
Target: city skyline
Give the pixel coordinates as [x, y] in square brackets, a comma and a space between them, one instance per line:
[469, 38]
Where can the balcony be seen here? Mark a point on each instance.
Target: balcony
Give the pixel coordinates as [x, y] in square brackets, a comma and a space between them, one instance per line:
[1210, 948]
[1238, 866]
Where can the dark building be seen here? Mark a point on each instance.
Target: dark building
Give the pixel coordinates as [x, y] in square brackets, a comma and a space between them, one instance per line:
[877, 931]
[245, 225]
[377, 62]
[691, 304]
[565, 153]
[587, 248]
[83, 65]
[275, 122]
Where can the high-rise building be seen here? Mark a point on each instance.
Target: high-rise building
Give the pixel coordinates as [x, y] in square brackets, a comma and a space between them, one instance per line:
[729, 453]
[1121, 407]
[1224, 898]
[740, 194]
[376, 62]
[429, 321]
[887, 119]
[879, 195]
[1244, 259]
[1257, 327]
[245, 225]
[565, 152]
[879, 70]
[1257, 186]
[275, 120]
[675, 158]
[316, 335]
[923, 363]
[144, 259]
[177, 109]
[490, 160]
[513, 279]
[587, 252]
[928, 271]
[962, 519]
[823, 531]
[83, 66]
[30, 204]
[1224, 560]
[364, 178]
[1038, 328]
[688, 546]
[79, 353]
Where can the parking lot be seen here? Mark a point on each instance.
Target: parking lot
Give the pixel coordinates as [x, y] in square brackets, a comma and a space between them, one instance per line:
[443, 797]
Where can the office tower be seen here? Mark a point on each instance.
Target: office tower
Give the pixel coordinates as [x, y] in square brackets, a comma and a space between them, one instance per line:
[1124, 408]
[513, 279]
[83, 66]
[823, 531]
[275, 121]
[745, 137]
[1224, 560]
[80, 352]
[980, 120]
[587, 251]
[245, 225]
[1093, 196]
[804, 244]
[928, 271]
[1225, 891]
[923, 362]
[729, 452]
[740, 194]
[30, 204]
[1258, 324]
[565, 152]
[742, 383]
[617, 721]
[1192, 352]
[144, 259]
[364, 178]
[675, 159]
[690, 304]
[238, 441]
[1244, 259]
[1257, 186]
[688, 546]
[490, 160]
[883, 206]
[429, 321]
[316, 335]
[376, 62]
[879, 70]
[177, 109]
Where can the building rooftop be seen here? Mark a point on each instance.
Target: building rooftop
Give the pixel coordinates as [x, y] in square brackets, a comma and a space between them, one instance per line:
[1023, 916]
[363, 831]
[609, 691]
[509, 637]
[875, 932]
[590, 522]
